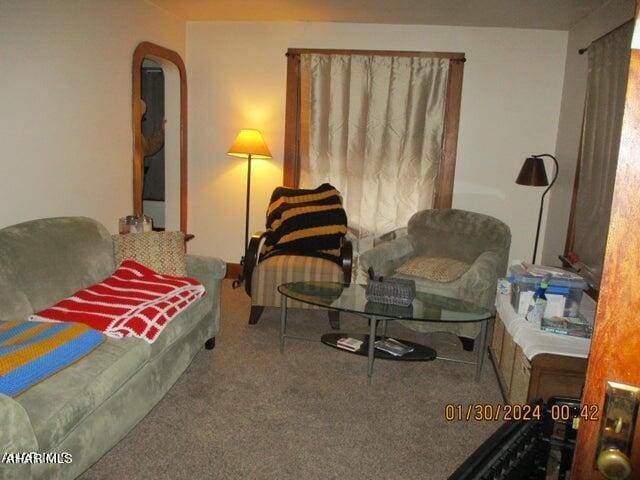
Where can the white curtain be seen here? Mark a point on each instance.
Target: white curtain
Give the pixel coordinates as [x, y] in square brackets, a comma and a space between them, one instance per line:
[606, 87]
[373, 127]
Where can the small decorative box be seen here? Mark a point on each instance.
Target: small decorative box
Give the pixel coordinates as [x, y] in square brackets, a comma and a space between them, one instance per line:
[390, 291]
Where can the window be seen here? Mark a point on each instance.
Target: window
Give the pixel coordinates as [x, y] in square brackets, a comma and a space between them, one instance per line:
[380, 126]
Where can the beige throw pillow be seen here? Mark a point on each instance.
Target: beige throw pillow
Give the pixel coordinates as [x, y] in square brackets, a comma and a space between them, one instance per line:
[438, 269]
[160, 251]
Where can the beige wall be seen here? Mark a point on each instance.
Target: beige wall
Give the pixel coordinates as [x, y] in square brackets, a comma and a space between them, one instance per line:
[65, 128]
[609, 16]
[65, 93]
[510, 108]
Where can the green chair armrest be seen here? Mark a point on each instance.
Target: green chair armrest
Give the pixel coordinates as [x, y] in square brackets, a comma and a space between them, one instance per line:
[480, 281]
[387, 257]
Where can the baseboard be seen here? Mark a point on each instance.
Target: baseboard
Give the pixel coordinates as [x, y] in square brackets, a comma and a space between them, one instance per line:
[233, 270]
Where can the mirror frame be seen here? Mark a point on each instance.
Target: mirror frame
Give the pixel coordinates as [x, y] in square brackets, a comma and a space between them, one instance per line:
[148, 49]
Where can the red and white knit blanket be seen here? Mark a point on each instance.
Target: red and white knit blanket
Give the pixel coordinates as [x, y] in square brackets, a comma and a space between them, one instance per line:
[134, 301]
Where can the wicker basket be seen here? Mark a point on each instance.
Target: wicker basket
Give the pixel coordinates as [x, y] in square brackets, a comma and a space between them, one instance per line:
[391, 291]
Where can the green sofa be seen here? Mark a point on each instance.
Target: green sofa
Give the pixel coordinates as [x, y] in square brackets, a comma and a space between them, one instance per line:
[86, 408]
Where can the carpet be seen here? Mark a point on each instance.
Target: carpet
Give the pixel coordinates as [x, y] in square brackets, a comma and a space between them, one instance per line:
[244, 410]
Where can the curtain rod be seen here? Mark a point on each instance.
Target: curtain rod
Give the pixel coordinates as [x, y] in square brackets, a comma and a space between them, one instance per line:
[583, 50]
[453, 56]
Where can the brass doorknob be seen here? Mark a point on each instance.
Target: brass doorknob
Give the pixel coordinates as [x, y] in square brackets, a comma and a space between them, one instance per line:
[613, 464]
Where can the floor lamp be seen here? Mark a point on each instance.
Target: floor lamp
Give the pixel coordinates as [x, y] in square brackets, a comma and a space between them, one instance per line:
[248, 144]
[533, 174]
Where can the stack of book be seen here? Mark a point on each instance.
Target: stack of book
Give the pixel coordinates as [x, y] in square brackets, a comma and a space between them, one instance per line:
[348, 343]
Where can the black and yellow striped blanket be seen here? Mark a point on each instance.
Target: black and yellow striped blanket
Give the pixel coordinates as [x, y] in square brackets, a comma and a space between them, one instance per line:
[305, 222]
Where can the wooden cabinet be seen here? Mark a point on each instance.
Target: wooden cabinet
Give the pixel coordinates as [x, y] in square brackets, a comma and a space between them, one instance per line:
[545, 375]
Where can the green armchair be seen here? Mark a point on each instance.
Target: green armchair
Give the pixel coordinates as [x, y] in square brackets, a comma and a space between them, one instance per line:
[449, 252]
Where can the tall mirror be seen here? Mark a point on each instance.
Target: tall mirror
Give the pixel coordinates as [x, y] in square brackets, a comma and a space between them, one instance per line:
[159, 106]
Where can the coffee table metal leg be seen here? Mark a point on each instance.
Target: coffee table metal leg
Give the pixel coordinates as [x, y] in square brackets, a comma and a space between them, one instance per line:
[373, 323]
[482, 348]
[384, 327]
[283, 321]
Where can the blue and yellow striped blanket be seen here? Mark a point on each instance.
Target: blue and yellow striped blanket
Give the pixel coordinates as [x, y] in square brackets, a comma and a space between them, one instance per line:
[31, 351]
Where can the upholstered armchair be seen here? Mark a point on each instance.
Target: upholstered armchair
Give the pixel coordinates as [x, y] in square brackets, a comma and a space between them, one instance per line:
[453, 253]
[304, 241]
[262, 278]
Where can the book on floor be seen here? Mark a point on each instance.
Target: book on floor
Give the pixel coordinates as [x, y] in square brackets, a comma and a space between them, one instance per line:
[393, 346]
[349, 343]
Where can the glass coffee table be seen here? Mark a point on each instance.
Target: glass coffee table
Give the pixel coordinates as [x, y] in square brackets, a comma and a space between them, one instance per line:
[425, 307]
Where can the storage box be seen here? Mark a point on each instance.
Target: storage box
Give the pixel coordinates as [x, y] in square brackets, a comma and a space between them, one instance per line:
[563, 294]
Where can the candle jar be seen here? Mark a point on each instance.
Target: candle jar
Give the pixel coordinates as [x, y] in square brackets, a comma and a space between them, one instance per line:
[134, 224]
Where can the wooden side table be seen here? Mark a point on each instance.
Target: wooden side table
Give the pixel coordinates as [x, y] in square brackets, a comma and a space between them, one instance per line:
[545, 374]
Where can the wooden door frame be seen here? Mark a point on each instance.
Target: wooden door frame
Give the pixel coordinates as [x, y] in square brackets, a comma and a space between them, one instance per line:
[148, 49]
[446, 168]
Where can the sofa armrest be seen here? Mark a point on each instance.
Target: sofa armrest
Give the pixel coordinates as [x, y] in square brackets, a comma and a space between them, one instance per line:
[210, 272]
[207, 270]
[16, 436]
[387, 257]
[480, 281]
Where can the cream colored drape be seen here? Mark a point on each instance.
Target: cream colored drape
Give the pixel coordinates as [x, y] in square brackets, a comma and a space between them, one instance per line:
[606, 87]
[373, 127]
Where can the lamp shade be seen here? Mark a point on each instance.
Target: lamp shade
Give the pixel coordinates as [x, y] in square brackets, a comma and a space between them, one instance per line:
[249, 142]
[533, 173]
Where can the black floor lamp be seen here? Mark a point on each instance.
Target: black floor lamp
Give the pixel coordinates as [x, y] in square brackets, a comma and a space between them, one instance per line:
[248, 144]
[533, 174]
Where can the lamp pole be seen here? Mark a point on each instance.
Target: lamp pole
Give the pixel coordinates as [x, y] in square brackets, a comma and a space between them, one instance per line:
[555, 175]
[248, 144]
[238, 281]
[246, 214]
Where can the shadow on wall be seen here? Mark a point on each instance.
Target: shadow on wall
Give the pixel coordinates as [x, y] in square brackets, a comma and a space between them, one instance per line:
[230, 182]
[521, 215]
[466, 191]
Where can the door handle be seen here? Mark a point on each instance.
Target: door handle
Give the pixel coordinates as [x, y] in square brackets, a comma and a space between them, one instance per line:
[614, 464]
[616, 430]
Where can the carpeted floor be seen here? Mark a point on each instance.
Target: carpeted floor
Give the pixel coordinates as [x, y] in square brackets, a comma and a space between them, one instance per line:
[244, 410]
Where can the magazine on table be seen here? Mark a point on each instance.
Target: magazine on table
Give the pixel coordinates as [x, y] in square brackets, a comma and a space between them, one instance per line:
[572, 326]
[393, 346]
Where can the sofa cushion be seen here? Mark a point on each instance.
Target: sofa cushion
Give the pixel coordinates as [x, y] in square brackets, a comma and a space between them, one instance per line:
[14, 304]
[57, 404]
[51, 258]
[438, 269]
[162, 252]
